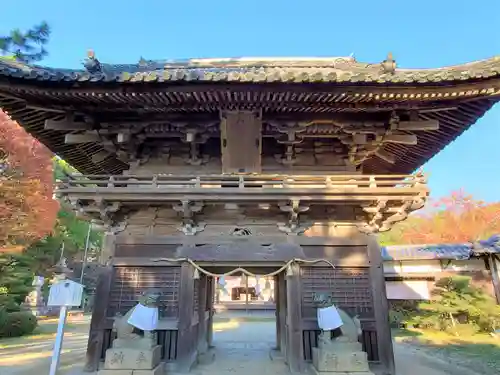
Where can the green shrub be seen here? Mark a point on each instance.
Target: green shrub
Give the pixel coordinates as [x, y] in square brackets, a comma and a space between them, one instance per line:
[401, 311]
[8, 303]
[17, 324]
[3, 317]
[456, 307]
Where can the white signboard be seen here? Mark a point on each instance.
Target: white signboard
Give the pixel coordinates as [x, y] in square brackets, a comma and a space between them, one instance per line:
[65, 293]
[408, 290]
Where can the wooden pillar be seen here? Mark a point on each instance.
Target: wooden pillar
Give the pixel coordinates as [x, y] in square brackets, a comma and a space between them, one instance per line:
[246, 294]
[202, 307]
[381, 307]
[108, 247]
[281, 301]
[277, 312]
[186, 345]
[96, 333]
[494, 266]
[210, 324]
[295, 345]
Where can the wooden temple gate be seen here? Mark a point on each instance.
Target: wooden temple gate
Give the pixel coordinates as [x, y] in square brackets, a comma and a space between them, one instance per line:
[251, 163]
[185, 328]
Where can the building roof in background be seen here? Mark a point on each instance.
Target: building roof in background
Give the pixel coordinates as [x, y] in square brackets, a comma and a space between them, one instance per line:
[441, 251]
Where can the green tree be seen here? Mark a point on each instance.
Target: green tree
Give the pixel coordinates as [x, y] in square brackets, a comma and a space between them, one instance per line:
[15, 280]
[456, 302]
[26, 46]
[18, 269]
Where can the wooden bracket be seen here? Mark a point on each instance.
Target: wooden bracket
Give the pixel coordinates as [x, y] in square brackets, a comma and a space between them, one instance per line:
[293, 226]
[188, 209]
[68, 123]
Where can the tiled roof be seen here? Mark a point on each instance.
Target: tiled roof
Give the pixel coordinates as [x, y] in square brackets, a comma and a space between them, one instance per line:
[489, 246]
[441, 251]
[454, 96]
[257, 70]
[426, 252]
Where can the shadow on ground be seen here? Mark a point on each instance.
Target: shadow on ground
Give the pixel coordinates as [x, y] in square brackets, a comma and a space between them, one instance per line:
[243, 346]
[473, 354]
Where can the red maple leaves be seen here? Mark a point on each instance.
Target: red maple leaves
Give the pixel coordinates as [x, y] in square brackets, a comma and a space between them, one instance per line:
[458, 218]
[27, 209]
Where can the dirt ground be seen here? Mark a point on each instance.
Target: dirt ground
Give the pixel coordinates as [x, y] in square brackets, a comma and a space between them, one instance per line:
[241, 347]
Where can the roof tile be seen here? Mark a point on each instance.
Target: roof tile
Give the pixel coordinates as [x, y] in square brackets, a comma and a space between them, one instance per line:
[441, 251]
[246, 70]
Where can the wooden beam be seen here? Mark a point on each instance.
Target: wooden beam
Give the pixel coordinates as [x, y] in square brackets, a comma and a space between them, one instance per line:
[66, 125]
[470, 89]
[380, 307]
[359, 139]
[389, 158]
[403, 139]
[100, 156]
[418, 125]
[71, 139]
[122, 137]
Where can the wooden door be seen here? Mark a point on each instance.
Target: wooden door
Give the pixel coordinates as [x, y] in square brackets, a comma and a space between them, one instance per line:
[241, 142]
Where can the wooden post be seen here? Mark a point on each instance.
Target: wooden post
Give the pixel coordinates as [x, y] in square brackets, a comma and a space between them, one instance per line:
[96, 333]
[246, 294]
[202, 307]
[295, 345]
[186, 344]
[381, 307]
[210, 324]
[277, 312]
[494, 266]
[281, 301]
[108, 246]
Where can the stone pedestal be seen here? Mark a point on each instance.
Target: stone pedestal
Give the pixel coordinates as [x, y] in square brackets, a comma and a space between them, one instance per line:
[124, 360]
[340, 356]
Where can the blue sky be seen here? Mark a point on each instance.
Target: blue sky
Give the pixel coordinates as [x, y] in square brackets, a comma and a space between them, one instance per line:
[420, 34]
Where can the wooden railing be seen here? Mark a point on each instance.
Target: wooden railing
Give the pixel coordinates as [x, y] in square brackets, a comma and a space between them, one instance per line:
[243, 182]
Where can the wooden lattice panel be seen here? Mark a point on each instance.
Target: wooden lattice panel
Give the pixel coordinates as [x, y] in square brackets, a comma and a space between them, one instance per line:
[350, 288]
[129, 282]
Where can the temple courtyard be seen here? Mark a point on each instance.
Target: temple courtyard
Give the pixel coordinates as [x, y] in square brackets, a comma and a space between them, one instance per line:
[242, 342]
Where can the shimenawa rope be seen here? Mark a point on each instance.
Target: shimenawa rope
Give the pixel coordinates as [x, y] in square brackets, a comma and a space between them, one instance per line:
[241, 269]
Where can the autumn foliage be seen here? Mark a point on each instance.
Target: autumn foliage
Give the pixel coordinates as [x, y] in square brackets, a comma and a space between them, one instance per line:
[27, 209]
[458, 218]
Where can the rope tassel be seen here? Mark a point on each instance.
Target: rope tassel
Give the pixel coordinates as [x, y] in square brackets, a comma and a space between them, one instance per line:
[196, 274]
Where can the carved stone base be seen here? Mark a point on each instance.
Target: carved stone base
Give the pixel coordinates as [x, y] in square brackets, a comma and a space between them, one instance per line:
[140, 344]
[132, 359]
[206, 357]
[158, 370]
[316, 372]
[342, 357]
